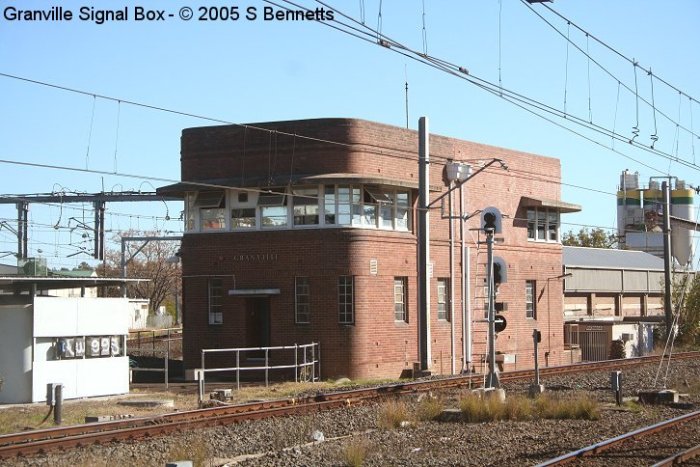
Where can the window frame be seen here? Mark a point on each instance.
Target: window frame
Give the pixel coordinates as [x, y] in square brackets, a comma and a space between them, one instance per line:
[542, 223]
[346, 308]
[400, 291]
[443, 300]
[302, 300]
[530, 301]
[214, 284]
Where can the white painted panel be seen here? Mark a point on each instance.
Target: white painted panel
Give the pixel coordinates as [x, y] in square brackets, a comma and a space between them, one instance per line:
[88, 377]
[56, 371]
[16, 353]
[98, 316]
[55, 317]
[104, 376]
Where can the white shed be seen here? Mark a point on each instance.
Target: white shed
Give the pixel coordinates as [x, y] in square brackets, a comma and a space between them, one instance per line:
[79, 342]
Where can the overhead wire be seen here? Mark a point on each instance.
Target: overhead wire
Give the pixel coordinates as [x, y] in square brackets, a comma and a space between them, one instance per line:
[615, 51]
[603, 68]
[463, 74]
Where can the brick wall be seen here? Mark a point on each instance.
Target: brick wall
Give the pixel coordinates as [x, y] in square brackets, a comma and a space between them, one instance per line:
[375, 345]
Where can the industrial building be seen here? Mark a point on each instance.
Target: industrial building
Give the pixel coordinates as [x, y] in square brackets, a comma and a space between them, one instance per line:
[611, 294]
[305, 231]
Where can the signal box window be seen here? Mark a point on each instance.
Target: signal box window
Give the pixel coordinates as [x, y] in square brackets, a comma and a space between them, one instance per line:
[212, 213]
[530, 310]
[216, 315]
[346, 312]
[443, 299]
[302, 306]
[400, 303]
[543, 225]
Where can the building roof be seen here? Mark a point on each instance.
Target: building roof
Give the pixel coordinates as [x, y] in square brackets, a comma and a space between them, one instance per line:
[10, 283]
[8, 269]
[608, 258]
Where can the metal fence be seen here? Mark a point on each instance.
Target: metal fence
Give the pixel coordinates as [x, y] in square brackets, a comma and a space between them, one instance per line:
[304, 359]
[164, 370]
[154, 339]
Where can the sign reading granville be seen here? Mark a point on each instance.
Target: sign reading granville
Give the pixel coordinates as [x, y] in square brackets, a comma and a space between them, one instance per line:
[251, 258]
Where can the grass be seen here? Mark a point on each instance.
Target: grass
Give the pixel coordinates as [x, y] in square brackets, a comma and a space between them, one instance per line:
[391, 414]
[477, 409]
[355, 453]
[429, 408]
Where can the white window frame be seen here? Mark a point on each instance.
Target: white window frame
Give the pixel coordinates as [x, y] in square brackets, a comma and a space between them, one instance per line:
[542, 217]
[444, 313]
[346, 300]
[215, 301]
[530, 302]
[302, 300]
[400, 299]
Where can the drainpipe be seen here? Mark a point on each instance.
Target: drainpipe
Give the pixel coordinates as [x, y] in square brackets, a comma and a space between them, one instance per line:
[452, 284]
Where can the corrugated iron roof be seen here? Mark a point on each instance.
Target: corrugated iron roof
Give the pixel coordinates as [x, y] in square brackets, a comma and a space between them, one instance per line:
[608, 258]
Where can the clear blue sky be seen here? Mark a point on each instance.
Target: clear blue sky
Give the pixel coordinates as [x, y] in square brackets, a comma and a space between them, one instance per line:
[249, 71]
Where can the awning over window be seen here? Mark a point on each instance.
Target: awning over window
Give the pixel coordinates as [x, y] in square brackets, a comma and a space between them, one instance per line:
[561, 206]
[253, 292]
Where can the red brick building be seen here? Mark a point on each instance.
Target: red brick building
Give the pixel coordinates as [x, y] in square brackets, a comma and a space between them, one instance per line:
[313, 238]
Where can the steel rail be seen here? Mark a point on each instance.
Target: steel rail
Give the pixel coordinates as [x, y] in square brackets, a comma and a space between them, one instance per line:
[680, 457]
[20, 443]
[617, 440]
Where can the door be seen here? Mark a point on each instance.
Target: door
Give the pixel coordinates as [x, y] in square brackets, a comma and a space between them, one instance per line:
[258, 325]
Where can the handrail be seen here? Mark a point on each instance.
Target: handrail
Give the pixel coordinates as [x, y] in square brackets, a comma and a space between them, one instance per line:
[307, 363]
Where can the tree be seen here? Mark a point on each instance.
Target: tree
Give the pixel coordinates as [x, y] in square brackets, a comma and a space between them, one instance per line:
[689, 318]
[151, 260]
[596, 238]
[83, 266]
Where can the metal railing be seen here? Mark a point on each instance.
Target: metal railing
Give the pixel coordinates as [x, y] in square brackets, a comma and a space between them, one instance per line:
[164, 370]
[306, 363]
[154, 336]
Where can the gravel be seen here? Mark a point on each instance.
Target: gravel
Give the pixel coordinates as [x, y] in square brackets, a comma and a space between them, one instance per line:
[288, 441]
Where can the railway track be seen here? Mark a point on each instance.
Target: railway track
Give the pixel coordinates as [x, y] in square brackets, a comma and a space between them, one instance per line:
[39, 441]
[636, 447]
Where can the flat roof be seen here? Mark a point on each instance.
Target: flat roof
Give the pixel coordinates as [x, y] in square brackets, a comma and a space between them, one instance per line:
[43, 283]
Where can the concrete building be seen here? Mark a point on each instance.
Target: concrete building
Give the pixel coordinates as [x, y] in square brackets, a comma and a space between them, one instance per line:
[304, 231]
[75, 341]
[611, 295]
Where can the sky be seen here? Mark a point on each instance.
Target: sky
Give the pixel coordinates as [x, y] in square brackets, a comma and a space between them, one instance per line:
[254, 70]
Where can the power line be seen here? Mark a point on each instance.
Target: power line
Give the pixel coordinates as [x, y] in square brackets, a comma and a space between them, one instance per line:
[615, 51]
[462, 73]
[634, 63]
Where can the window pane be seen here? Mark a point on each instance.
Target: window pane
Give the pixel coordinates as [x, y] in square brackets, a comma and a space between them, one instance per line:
[243, 218]
[302, 300]
[400, 299]
[541, 225]
[273, 216]
[443, 293]
[212, 219]
[329, 204]
[210, 199]
[345, 300]
[531, 219]
[387, 216]
[553, 226]
[215, 294]
[530, 299]
[189, 211]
